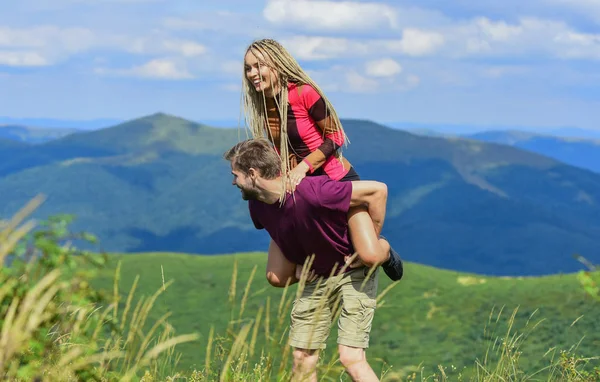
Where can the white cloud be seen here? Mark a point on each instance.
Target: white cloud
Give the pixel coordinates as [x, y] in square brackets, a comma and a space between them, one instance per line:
[360, 84]
[478, 37]
[67, 39]
[383, 68]
[358, 79]
[19, 58]
[42, 45]
[482, 36]
[497, 31]
[183, 47]
[166, 69]
[47, 45]
[530, 36]
[413, 43]
[330, 15]
[162, 68]
[416, 42]
[323, 48]
[578, 45]
[154, 45]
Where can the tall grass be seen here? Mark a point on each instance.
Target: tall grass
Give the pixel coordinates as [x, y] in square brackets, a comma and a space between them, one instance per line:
[55, 327]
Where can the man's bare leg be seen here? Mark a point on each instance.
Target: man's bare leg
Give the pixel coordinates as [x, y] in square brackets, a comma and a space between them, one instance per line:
[305, 365]
[355, 362]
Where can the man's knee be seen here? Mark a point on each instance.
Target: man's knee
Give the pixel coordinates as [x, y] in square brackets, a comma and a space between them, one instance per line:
[305, 358]
[351, 356]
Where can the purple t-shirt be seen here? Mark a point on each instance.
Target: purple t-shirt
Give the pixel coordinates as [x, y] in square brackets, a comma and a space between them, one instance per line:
[314, 220]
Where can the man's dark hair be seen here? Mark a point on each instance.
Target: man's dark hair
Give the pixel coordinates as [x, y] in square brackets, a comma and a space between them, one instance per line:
[255, 153]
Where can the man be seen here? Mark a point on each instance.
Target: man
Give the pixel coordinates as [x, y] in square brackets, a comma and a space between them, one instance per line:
[314, 221]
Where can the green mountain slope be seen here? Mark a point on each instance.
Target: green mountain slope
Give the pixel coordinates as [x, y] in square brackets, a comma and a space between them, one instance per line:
[432, 317]
[157, 132]
[159, 183]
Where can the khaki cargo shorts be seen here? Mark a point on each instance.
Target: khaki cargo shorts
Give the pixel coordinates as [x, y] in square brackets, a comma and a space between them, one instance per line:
[350, 296]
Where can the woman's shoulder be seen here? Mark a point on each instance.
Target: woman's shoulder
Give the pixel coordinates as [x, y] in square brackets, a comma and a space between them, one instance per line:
[301, 87]
[305, 93]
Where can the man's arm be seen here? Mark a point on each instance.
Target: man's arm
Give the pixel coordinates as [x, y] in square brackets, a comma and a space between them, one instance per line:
[373, 194]
[279, 268]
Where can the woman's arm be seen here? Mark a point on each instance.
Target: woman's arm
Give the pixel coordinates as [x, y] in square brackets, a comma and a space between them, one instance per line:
[334, 139]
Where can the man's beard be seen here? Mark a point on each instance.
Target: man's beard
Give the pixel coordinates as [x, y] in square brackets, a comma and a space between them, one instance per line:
[249, 194]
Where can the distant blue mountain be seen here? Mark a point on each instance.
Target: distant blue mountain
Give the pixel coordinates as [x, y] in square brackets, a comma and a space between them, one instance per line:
[90, 124]
[435, 129]
[575, 132]
[33, 135]
[580, 152]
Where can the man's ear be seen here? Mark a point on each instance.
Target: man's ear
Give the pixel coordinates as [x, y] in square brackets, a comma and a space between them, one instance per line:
[252, 173]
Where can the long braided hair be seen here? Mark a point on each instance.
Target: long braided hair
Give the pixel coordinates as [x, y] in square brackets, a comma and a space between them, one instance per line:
[276, 57]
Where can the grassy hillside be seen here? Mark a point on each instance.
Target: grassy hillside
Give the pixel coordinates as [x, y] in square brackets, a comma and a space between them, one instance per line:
[580, 152]
[159, 183]
[431, 317]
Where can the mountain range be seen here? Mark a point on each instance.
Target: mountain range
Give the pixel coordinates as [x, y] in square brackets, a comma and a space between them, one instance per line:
[159, 183]
[29, 134]
[580, 152]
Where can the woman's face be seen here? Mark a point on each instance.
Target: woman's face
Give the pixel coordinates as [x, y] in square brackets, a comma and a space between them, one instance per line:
[263, 78]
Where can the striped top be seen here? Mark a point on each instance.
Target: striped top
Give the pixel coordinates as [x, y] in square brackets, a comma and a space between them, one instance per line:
[305, 108]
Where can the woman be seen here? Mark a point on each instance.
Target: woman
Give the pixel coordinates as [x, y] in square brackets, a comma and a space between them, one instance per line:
[281, 102]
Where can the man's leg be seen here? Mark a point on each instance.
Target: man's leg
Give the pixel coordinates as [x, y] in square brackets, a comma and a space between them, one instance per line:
[311, 320]
[356, 365]
[305, 365]
[358, 291]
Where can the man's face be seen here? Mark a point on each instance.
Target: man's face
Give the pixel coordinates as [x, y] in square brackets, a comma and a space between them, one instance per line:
[244, 183]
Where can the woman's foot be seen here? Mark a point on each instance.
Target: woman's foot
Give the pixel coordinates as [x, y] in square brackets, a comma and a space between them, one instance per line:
[393, 267]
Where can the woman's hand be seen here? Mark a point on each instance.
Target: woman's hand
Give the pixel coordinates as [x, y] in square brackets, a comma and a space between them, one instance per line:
[296, 175]
[353, 261]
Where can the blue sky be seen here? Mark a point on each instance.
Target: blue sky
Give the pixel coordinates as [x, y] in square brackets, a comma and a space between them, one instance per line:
[533, 63]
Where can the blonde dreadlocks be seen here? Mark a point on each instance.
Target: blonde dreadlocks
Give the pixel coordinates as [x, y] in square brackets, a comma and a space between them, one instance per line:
[254, 103]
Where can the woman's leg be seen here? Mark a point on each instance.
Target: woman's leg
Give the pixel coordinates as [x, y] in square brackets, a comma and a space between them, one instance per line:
[372, 248]
[279, 268]
[364, 238]
[367, 242]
